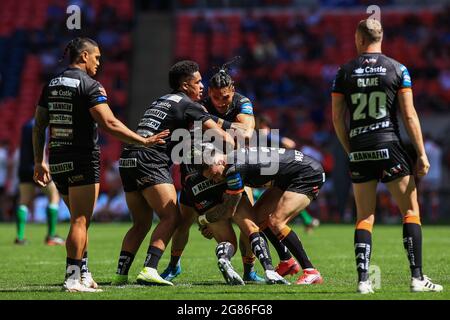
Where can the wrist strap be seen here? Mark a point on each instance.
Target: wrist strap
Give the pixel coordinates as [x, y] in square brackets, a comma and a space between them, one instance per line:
[202, 220]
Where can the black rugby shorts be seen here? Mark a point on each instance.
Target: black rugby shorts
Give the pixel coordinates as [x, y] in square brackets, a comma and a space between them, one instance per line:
[74, 169]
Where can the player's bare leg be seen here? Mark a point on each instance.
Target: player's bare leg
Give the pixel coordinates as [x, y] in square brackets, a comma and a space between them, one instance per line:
[244, 218]
[288, 205]
[141, 215]
[81, 200]
[404, 192]
[222, 231]
[224, 234]
[267, 203]
[179, 241]
[163, 199]
[365, 199]
[248, 258]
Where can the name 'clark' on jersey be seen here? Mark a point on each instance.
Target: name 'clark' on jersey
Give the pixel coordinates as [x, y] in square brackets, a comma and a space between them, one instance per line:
[370, 84]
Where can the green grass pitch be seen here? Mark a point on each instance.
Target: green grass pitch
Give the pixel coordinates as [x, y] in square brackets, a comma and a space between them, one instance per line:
[36, 271]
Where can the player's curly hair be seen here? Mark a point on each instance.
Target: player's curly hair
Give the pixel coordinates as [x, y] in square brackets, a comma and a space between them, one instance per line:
[180, 72]
[222, 79]
[76, 46]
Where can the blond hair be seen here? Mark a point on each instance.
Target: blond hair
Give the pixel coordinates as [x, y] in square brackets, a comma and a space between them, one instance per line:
[371, 30]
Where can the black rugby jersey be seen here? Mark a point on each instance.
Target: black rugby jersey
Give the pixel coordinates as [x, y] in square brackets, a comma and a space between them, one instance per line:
[239, 104]
[68, 98]
[171, 111]
[204, 193]
[255, 167]
[370, 84]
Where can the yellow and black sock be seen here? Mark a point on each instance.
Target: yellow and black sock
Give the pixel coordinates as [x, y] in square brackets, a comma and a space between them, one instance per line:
[248, 261]
[290, 239]
[363, 249]
[282, 251]
[412, 242]
[260, 250]
[249, 264]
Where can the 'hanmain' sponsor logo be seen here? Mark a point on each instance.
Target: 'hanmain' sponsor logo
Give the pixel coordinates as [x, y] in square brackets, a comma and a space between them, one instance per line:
[381, 154]
[156, 113]
[61, 167]
[59, 106]
[204, 185]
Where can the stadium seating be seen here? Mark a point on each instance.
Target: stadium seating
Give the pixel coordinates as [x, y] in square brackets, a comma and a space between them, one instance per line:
[290, 58]
[21, 71]
[333, 33]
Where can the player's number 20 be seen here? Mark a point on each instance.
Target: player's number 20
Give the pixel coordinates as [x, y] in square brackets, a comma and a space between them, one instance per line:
[373, 104]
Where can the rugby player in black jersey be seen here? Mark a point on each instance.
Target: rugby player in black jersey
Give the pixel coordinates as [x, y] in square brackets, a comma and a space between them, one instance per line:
[203, 196]
[73, 104]
[292, 179]
[27, 191]
[227, 108]
[145, 171]
[371, 88]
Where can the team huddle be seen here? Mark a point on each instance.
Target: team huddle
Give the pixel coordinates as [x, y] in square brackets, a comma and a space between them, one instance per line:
[217, 190]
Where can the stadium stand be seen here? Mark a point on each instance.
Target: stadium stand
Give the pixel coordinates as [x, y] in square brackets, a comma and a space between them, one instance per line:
[32, 42]
[289, 59]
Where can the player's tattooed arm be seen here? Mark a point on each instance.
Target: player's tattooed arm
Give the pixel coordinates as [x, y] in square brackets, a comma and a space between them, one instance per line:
[224, 211]
[41, 120]
[244, 123]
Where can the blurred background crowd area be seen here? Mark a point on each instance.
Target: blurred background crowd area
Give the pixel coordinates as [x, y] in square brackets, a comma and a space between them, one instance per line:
[290, 51]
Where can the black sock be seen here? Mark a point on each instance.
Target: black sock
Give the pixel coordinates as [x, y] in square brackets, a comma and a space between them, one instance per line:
[224, 250]
[73, 268]
[282, 251]
[363, 250]
[412, 241]
[153, 256]
[175, 257]
[259, 248]
[247, 261]
[293, 243]
[84, 263]
[125, 260]
[248, 267]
